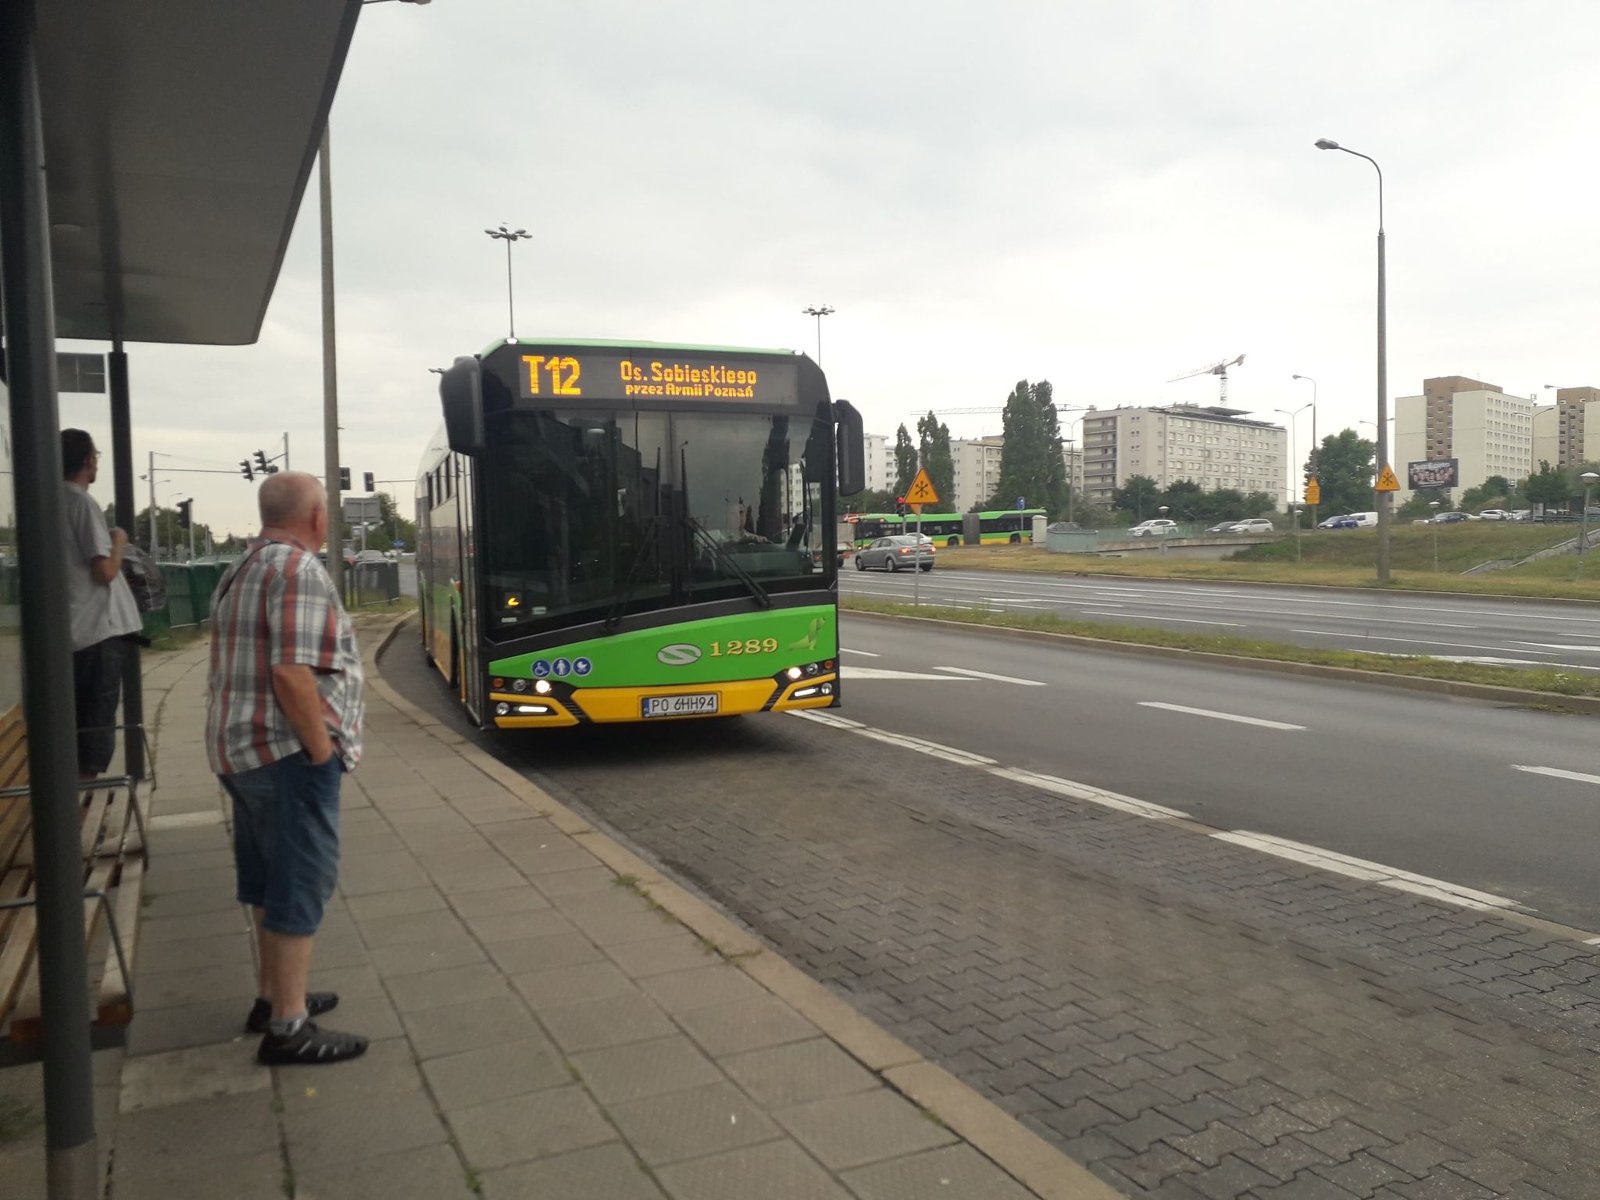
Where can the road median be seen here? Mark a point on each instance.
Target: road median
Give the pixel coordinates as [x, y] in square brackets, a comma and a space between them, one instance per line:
[1546, 689]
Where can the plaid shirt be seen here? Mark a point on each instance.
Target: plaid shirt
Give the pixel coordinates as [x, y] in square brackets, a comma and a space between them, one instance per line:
[275, 606]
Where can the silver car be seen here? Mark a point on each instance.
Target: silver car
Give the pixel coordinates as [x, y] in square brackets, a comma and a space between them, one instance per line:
[898, 553]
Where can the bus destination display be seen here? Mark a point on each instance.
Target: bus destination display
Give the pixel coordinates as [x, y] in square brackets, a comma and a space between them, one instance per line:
[644, 377]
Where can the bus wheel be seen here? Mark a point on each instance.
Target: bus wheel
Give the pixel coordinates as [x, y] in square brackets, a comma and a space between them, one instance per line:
[954, 541]
[1016, 539]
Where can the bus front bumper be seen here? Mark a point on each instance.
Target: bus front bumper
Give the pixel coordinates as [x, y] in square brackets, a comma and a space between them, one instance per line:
[581, 706]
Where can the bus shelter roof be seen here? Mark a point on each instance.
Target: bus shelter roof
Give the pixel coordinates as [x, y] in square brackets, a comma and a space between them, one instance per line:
[179, 137]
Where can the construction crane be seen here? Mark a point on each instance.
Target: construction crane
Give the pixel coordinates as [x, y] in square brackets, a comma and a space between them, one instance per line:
[1220, 370]
[967, 412]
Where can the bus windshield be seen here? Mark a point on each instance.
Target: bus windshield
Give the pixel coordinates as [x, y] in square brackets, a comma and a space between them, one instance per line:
[599, 512]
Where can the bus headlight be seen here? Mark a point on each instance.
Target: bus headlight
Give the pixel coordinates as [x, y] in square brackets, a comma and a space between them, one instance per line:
[542, 686]
[519, 685]
[502, 709]
[794, 672]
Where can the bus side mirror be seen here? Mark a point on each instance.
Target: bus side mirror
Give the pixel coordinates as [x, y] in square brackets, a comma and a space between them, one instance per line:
[850, 437]
[461, 395]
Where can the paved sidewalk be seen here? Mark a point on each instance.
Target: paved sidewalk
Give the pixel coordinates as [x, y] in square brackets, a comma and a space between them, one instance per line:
[549, 1017]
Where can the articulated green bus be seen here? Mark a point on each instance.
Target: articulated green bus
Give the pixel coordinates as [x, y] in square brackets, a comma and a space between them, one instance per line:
[627, 531]
[997, 525]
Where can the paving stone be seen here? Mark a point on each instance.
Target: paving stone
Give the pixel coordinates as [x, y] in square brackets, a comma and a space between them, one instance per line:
[258, 1176]
[557, 986]
[234, 981]
[797, 1072]
[717, 983]
[206, 1024]
[607, 1172]
[777, 1170]
[430, 989]
[631, 927]
[430, 1171]
[362, 1126]
[609, 1022]
[517, 926]
[520, 1128]
[394, 904]
[851, 1131]
[180, 1076]
[434, 954]
[525, 955]
[162, 1140]
[745, 1025]
[456, 1027]
[569, 883]
[520, 897]
[412, 928]
[950, 1171]
[641, 1069]
[683, 1125]
[476, 1077]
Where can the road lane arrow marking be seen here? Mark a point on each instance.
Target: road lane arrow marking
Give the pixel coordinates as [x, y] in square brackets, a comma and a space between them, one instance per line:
[1220, 716]
[885, 673]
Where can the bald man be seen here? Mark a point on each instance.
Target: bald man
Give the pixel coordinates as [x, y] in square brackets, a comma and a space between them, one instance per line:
[283, 724]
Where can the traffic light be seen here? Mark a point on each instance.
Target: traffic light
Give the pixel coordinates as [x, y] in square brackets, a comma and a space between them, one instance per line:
[900, 505]
[371, 483]
[184, 519]
[244, 469]
[261, 463]
[344, 479]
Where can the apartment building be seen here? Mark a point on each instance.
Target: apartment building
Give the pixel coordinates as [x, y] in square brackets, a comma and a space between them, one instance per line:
[879, 449]
[1212, 446]
[1577, 427]
[1488, 431]
[977, 471]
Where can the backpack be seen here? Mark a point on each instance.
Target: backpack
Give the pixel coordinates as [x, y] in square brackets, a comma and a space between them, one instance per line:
[143, 574]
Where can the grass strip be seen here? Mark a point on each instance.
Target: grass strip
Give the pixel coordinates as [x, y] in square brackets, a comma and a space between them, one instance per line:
[1562, 683]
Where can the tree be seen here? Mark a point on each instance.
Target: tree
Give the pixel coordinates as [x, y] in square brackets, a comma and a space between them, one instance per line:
[1032, 466]
[393, 524]
[1548, 485]
[1345, 472]
[1259, 504]
[933, 441]
[905, 461]
[1141, 495]
[1185, 500]
[867, 502]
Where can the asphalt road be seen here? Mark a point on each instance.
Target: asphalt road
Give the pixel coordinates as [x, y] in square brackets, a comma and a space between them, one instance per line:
[1498, 632]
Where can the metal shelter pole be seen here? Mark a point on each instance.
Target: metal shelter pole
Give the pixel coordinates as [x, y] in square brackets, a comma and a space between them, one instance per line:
[70, 1158]
[330, 377]
[122, 469]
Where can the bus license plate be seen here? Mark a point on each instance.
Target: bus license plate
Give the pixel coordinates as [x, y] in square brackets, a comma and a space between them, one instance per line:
[696, 705]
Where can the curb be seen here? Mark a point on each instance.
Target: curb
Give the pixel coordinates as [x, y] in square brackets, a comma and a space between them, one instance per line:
[1022, 1154]
[1586, 705]
[1326, 587]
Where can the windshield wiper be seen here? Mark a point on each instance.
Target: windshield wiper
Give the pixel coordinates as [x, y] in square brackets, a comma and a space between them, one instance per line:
[648, 541]
[760, 593]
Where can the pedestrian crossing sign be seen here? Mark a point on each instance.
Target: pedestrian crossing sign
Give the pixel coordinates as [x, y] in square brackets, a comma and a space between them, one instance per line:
[921, 490]
[1387, 481]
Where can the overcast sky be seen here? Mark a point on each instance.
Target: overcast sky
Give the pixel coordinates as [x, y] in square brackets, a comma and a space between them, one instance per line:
[1105, 195]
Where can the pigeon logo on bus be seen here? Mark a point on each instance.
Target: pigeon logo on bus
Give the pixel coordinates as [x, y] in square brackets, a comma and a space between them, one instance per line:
[679, 654]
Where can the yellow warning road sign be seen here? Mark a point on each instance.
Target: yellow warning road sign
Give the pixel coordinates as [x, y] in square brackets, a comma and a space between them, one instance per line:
[1313, 492]
[921, 490]
[1386, 480]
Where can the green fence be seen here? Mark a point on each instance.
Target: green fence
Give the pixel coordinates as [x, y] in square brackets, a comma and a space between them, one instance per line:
[190, 585]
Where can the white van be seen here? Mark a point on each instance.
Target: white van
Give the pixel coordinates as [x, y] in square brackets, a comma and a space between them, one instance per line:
[1367, 520]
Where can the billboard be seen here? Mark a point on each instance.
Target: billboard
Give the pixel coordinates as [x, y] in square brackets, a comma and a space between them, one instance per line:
[1433, 473]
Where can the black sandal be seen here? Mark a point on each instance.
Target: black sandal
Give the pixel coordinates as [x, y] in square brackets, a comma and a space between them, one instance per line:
[309, 1046]
[317, 1003]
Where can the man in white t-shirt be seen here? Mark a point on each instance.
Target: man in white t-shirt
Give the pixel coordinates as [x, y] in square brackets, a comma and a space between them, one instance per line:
[100, 606]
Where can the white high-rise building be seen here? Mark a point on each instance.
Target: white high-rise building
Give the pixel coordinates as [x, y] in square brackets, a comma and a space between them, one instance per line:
[1211, 446]
[1486, 430]
[879, 449]
[977, 471]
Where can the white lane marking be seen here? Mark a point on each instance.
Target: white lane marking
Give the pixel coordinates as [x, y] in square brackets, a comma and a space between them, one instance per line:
[863, 653]
[1373, 637]
[1081, 791]
[932, 749]
[1091, 612]
[1328, 860]
[1220, 716]
[1370, 872]
[996, 678]
[1551, 646]
[1591, 941]
[1557, 773]
[848, 672]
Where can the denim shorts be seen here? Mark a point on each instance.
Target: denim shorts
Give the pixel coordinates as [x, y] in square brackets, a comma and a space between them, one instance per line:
[286, 839]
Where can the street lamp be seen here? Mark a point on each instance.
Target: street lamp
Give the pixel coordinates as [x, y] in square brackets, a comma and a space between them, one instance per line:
[1312, 457]
[1588, 478]
[1294, 511]
[508, 236]
[1434, 521]
[818, 311]
[1383, 499]
[1293, 441]
[1161, 511]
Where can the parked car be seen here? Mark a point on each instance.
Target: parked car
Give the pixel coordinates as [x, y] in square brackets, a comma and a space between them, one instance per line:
[1253, 525]
[845, 551]
[897, 553]
[1156, 527]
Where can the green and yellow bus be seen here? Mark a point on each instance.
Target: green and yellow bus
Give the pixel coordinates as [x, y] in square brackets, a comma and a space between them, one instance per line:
[994, 526]
[627, 531]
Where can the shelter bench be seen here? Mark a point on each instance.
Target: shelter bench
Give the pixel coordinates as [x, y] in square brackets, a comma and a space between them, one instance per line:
[113, 846]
